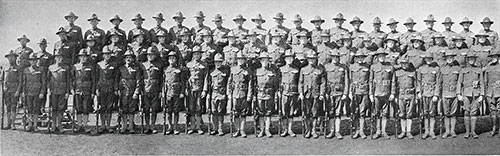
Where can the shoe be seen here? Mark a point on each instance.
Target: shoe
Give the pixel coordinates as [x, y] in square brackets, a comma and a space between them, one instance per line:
[408, 134]
[308, 135]
[425, 135]
[60, 130]
[131, 131]
[200, 132]
[148, 131]
[356, 135]
[101, 130]
[376, 136]
[268, 134]
[14, 128]
[337, 134]
[190, 131]
[235, 134]
[315, 135]
[35, 129]
[213, 132]
[176, 132]
[386, 136]
[492, 133]
[220, 133]
[155, 131]
[8, 127]
[466, 135]
[168, 132]
[362, 134]
[453, 134]
[110, 130]
[330, 135]
[445, 135]
[261, 134]
[433, 136]
[290, 132]
[474, 135]
[123, 131]
[243, 134]
[401, 135]
[284, 133]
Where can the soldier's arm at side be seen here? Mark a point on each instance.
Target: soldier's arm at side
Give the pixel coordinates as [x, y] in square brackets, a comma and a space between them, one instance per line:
[437, 90]
[346, 81]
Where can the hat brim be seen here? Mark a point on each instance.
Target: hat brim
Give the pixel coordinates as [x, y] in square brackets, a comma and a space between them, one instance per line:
[470, 22]
[322, 21]
[392, 23]
[448, 23]
[429, 20]
[217, 20]
[243, 19]
[10, 54]
[413, 40]
[90, 19]
[67, 16]
[256, 19]
[111, 20]
[134, 19]
[406, 23]
[19, 39]
[360, 22]
[160, 18]
[174, 17]
[390, 39]
[339, 19]
[199, 16]
[490, 22]
[279, 18]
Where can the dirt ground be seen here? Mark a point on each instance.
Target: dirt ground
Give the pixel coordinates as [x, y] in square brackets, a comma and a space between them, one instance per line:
[25, 143]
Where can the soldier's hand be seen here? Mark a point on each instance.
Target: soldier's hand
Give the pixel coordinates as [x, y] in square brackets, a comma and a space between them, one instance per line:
[350, 96]
[181, 96]
[203, 94]
[116, 93]
[321, 97]
[460, 97]
[40, 96]
[435, 98]
[66, 96]
[419, 95]
[249, 98]
[301, 96]
[344, 97]
[135, 96]
[391, 97]
[16, 94]
[372, 98]
[480, 99]
[73, 92]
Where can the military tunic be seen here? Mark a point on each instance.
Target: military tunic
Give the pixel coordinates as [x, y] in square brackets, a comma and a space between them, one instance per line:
[289, 91]
[218, 36]
[261, 33]
[122, 35]
[176, 31]
[378, 37]
[240, 85]
[100, 36]
[316, 35]
[198, 71]
[359, 89]
[74, 34]
[337, 32]
[482, 52]
[267, 81]
[186, 52]
[130, 83]
[59, 84]
[11, 79]
[406, 83]
[68, 50]
[158, 29]
[23, 53]
[292, 35]
[382, 78]
[84, 85]
[216, 88]
[469, 37]
[196, 33]
[152, 77]
[107, 85]
[427, 35]
[117, 51]
[277, 29]
[324, 50]
[471, 86]
[449, 81]
[429, 77]
[312, 85]
[492, 86]
[173, 86]
[34, 83]
[337, 79]
[147, 36]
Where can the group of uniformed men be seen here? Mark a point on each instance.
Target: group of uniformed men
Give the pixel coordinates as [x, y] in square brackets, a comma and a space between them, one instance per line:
[320, 75]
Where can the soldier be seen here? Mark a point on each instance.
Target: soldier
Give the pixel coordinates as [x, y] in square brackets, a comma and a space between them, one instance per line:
[219, 31]
[438, 49]
[279, 19]
[196, 30]
[23, 52]
[492, 35]
[292, 35]
[406, 83]
[95, 55]
[59, 87]
[470, 91]
[158, 29]
[413, 54]
[406, 43]
[173, 89]
[382, 89]
[116, 48]
[338, 31]
[231, 50]
[122, 42]
[288, 94]
[197, 72]
[324, 48]
[84, 87]
[252, 49]
[357, 32]
[44, 61]
[392, 50]
[209, 48]
[347, 49]
[67, 48]
[240, 84]
[34, 88]
[492, 89]
[98, 33]
[448, 33]
[138, 20]
[261, 32]
[301, 50]
[394, 33]
[466, 33]
[239, 31]
[11, 79]
[429, 32]
[151, 74]
[337, 90]
[460, 48]
[138, 46]
[129, 87]
[377, 36]
[317, 31]
[428, 91]
[267, 81]
[164, 48]
[107, 89]
[215, 88]
[449, 80]
[176, 30]
[483, 47]
[185, 48]
[73, 32]
[277, 49]
[358, 93]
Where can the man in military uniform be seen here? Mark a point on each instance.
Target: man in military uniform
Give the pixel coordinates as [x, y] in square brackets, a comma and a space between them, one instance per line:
[492, 89]
[346, 50]
[337, 86]
[492, 35]
[231, 50]
[158, 29]
[177, 29]
[73, 32]
[239, 31]
[173, 89]
[358, 92]
[261, 32]
[406, 83]
[44, 61]
[34, 89]
[288, 94]
[209, 48]
[197, 72]
[367, 48]
[185, 48]
[382, 89]
[394, 33]
[240, 85]
[429, 32]
[292, 35]
[59, 81]
[448, 33]
[115, 48]
[279, 19]
[107, 89]
[324, 48]
[357, 32]
[66, 47]
[84, 87]
[438, 49]
[164, 49]
[196, 30]
[11, 79]
[215, 88]
[470, 91]
[482, 49]
[277, 49]
[392, 49]
[460, 48]
[130, 83]
[449, 80]
[219, 31]
[116, 20]
[317, 31]
[300, 50]
[405, 40]
[267, 84]
[137, 46]
[338, 31]
[413, 53]
[98, 33]
[252, 49]
[466, 33]
[90, 49]
[428, 92]
[23, 52]
[138, 20]
[312, 87]
[377, 36]
[151, 74]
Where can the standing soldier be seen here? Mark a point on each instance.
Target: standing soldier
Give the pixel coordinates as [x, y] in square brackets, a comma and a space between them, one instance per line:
[138, 20]
[312, 86]
[460, 48]
[438, 49]
[406, 43]
[492, 35]
[122, 42]
[277, 49]
[252, 49]
[377, 36]
[239, 31]
[279, 19]
[413, 54]
[219, 31]
[428, 91]
[24, 51]
[382, 89]
[367, 48]
[98, 33]
[470, 91]
[483, 47]
[292, 35]
[67, 48]
[90, 49]
[196, 30]
[34, 88]
[449, 80]
[215, 88]
[129, 87]
[317, 31]
[151, 73]
[115, 48]
[448, 33]
[158, 29]
[84, 87]
[176, 30]
[173, 89]
[492, 86]
[230, 51]
[466, 33]
[137, 46]
[324, 48]
[261, 32]
[394, 33]
[337, 90]
[358, 93]
[357, 33]
[185, 48]
[164, 48]
[240, 86]
[267, 84]
[406, 83]
[300, 50]
[73, 32]
[11, 79]
[209, 48]
[107, 89]
[197, 72]
[338, 31]
[429, 33]
[44, 61]
[288, 92]
[347, 49]
[59, 81]
[392, 50]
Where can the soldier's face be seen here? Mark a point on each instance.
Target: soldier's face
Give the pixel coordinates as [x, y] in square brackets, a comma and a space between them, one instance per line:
[207, 38]
[303, 40]
[179, 21]
[231, 40]
[335, 59]
[313, 61]
[138, 22]
[129, 59]
[58, 59]
[471, 60]
[71, 19]
[356, 25]
[325, 39]
[410, 26]
[439, 40]
[116, 23]
[481, 39]
[33, 62]
[393, 27]
[258, 23]
[161, 39]
[185, 38]
[197, 56]
[428, 60]
[218, 23]
[429, 24]
[23, 41]
[317, 24]
[390, 44]
[347, 42]
[288, 60]
[83, 58]
[339, 23]
[239, 22]
[12, 59]
[359, 59]
[465, 25]
[459, 43]
[264, 62]
[241, 61]
[94, 23]
[90, 43]
[278, 21]
[115, 38]
[447, 25]
[159, 21]
[42, 46]
[218, 64]
[106, 56]
[377, 26]
[405, 65]
[200, 20]
[151, 57]
[276, 39]
[449, 59]
[297, 23]
[486, 26]
[139, 38]
[417, 44]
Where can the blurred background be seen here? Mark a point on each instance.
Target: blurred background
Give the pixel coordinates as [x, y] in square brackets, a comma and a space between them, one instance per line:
[41, 19]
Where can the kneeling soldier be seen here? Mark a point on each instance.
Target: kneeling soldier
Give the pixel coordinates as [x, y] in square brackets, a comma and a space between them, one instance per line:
[84, 84]
[406, 82]
[289, 91]
[172, 90]
[151, 72]
[216, 88]
[34, 83]
[240, 84]
[337, 90]
[59, 86]
[470, 84]
[107, 89]
[11, 79]
[130, 82]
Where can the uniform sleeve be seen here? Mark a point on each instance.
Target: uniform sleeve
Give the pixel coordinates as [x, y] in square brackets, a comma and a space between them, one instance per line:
[482, 83]
[301, 83]
[95, 79]
[139, 81]
[459, 83]
[23, 81]
[116, 77]
[393, 84]
[322, 87]
[437, 89]
[130, 36]
[346, 82]
[419, 81]
[370, 82]
[251, 84]
[229, 86]
[73, 78]
[485, 80]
